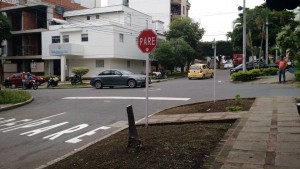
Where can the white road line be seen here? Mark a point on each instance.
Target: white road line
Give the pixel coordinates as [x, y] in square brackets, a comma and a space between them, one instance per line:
[33, 121]
[127, 98]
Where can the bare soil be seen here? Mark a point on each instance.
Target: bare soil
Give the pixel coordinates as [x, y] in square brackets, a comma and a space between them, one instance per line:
[176, 146]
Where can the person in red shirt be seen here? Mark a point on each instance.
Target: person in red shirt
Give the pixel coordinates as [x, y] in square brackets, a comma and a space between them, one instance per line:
[282, 64]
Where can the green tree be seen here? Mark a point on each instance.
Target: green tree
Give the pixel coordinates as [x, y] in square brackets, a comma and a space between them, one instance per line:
[256, 19]
[4, 35]
[181, 51]
[189, 30]
[163, 53]
[80, 71]
[289, 41]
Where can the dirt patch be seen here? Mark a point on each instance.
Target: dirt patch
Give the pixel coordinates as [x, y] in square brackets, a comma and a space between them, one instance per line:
[183, 145]
[209, 107]
[163, 146]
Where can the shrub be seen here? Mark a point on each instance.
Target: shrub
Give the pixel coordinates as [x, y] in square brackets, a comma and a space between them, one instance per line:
[234, 108]
[46, 78]
[13, 96]
[254, 73]
[297, 75]
[240, 76]
[80, 70]
[269, 71]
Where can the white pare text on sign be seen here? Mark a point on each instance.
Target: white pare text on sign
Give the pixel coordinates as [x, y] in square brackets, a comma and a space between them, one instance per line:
[147, 40]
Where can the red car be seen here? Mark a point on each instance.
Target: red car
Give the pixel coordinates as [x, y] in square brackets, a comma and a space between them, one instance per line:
[15, 80]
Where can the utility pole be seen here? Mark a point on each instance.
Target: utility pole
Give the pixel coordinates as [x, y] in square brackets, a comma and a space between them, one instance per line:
[267, 41]
[244, 36]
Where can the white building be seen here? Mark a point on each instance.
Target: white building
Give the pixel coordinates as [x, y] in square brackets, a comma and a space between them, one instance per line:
[162, 10]
[98, 39]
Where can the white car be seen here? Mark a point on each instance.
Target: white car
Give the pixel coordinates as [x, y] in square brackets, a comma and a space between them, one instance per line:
[228, 65]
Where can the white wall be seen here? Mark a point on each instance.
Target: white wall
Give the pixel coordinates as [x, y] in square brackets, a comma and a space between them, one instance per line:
[158, 9]
[136, 66]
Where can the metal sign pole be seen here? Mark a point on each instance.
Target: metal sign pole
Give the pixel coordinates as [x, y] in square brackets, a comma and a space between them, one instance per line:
[215, 65]
[147, 85]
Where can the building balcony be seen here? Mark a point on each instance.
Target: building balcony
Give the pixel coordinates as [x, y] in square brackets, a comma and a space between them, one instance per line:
[175, 1]
[66, 49]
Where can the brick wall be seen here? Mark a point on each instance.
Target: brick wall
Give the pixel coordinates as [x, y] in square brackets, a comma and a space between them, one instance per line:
[29, 21]
[4, 5]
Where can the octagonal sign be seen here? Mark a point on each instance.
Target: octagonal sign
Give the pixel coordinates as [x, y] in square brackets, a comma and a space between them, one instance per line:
[147, 40]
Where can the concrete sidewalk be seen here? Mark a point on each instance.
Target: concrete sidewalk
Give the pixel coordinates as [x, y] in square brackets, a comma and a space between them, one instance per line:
[266, 137]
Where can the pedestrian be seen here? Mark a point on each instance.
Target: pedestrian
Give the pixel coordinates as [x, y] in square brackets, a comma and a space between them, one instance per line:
[282, 66]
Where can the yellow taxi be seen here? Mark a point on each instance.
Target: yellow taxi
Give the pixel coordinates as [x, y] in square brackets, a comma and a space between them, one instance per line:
[200, 71]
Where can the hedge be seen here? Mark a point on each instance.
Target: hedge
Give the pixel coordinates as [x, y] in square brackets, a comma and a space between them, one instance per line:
[297, 75]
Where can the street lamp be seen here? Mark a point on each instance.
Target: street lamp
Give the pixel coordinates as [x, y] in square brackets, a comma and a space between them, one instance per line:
[244, 34]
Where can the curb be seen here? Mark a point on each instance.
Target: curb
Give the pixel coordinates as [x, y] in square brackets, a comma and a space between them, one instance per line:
[12, 106]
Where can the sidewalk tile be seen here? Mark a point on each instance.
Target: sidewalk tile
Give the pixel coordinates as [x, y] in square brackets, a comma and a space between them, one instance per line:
[284, 160]
[253, 136]
[250, 157]
[295, 130]
[288, 137]
[251, 145]
[256, 129]
[288, 147]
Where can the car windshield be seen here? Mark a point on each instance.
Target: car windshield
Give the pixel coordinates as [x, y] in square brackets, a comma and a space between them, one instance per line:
[126, 72]
[194, 67]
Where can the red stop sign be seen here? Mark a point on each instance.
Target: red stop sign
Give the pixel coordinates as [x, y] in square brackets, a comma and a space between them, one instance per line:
[147, 40]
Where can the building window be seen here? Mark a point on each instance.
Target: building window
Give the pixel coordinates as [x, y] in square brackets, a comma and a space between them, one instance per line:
[128, 64]
[97, 16]
[55, 39]
[88, 17]
[84, 37]
[144, 63]
[99, 63]
[121, 37]
[128, 19]
[183, 10]
[65, 38]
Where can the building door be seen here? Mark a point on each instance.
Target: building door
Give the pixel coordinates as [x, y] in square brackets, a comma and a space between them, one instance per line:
[56, 67]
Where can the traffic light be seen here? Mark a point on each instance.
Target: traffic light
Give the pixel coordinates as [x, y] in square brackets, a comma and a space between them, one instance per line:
[280, 5]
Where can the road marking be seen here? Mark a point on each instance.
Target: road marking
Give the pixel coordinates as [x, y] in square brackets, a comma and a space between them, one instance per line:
[90, 133]
[28, 125]
[33, 121]
[14, 123]
[69, 130]
[38, 131]
[5, 121]
[127, 98]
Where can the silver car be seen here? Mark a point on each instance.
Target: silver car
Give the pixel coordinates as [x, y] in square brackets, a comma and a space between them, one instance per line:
[118, 77]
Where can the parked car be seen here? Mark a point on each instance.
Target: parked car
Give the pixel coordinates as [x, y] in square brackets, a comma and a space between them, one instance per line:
[15, 80]
[249, 66]
[228, 64]
[198, 71]
[118, 77]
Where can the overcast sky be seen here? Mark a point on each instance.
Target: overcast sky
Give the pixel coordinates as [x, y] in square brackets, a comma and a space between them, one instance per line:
[216, 16]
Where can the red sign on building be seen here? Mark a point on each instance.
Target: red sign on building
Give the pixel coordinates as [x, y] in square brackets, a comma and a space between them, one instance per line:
[147, 40]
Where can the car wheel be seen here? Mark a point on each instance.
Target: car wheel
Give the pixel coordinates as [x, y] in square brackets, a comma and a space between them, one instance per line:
[131, 83]
[190, 78]
[203, 77]
[212, 75]
[98, 85]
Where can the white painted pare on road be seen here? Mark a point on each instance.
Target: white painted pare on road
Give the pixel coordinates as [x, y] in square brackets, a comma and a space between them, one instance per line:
[128, 98]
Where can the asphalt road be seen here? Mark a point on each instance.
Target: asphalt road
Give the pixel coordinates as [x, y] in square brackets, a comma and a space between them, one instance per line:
[60, 121]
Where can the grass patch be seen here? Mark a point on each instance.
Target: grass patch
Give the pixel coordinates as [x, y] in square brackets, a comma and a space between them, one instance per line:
[185, 145]
[13, 96]
[70, 86]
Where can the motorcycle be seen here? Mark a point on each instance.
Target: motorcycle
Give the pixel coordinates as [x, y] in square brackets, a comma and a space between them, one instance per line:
[28, 84]
[76, 79]
[53, 81]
